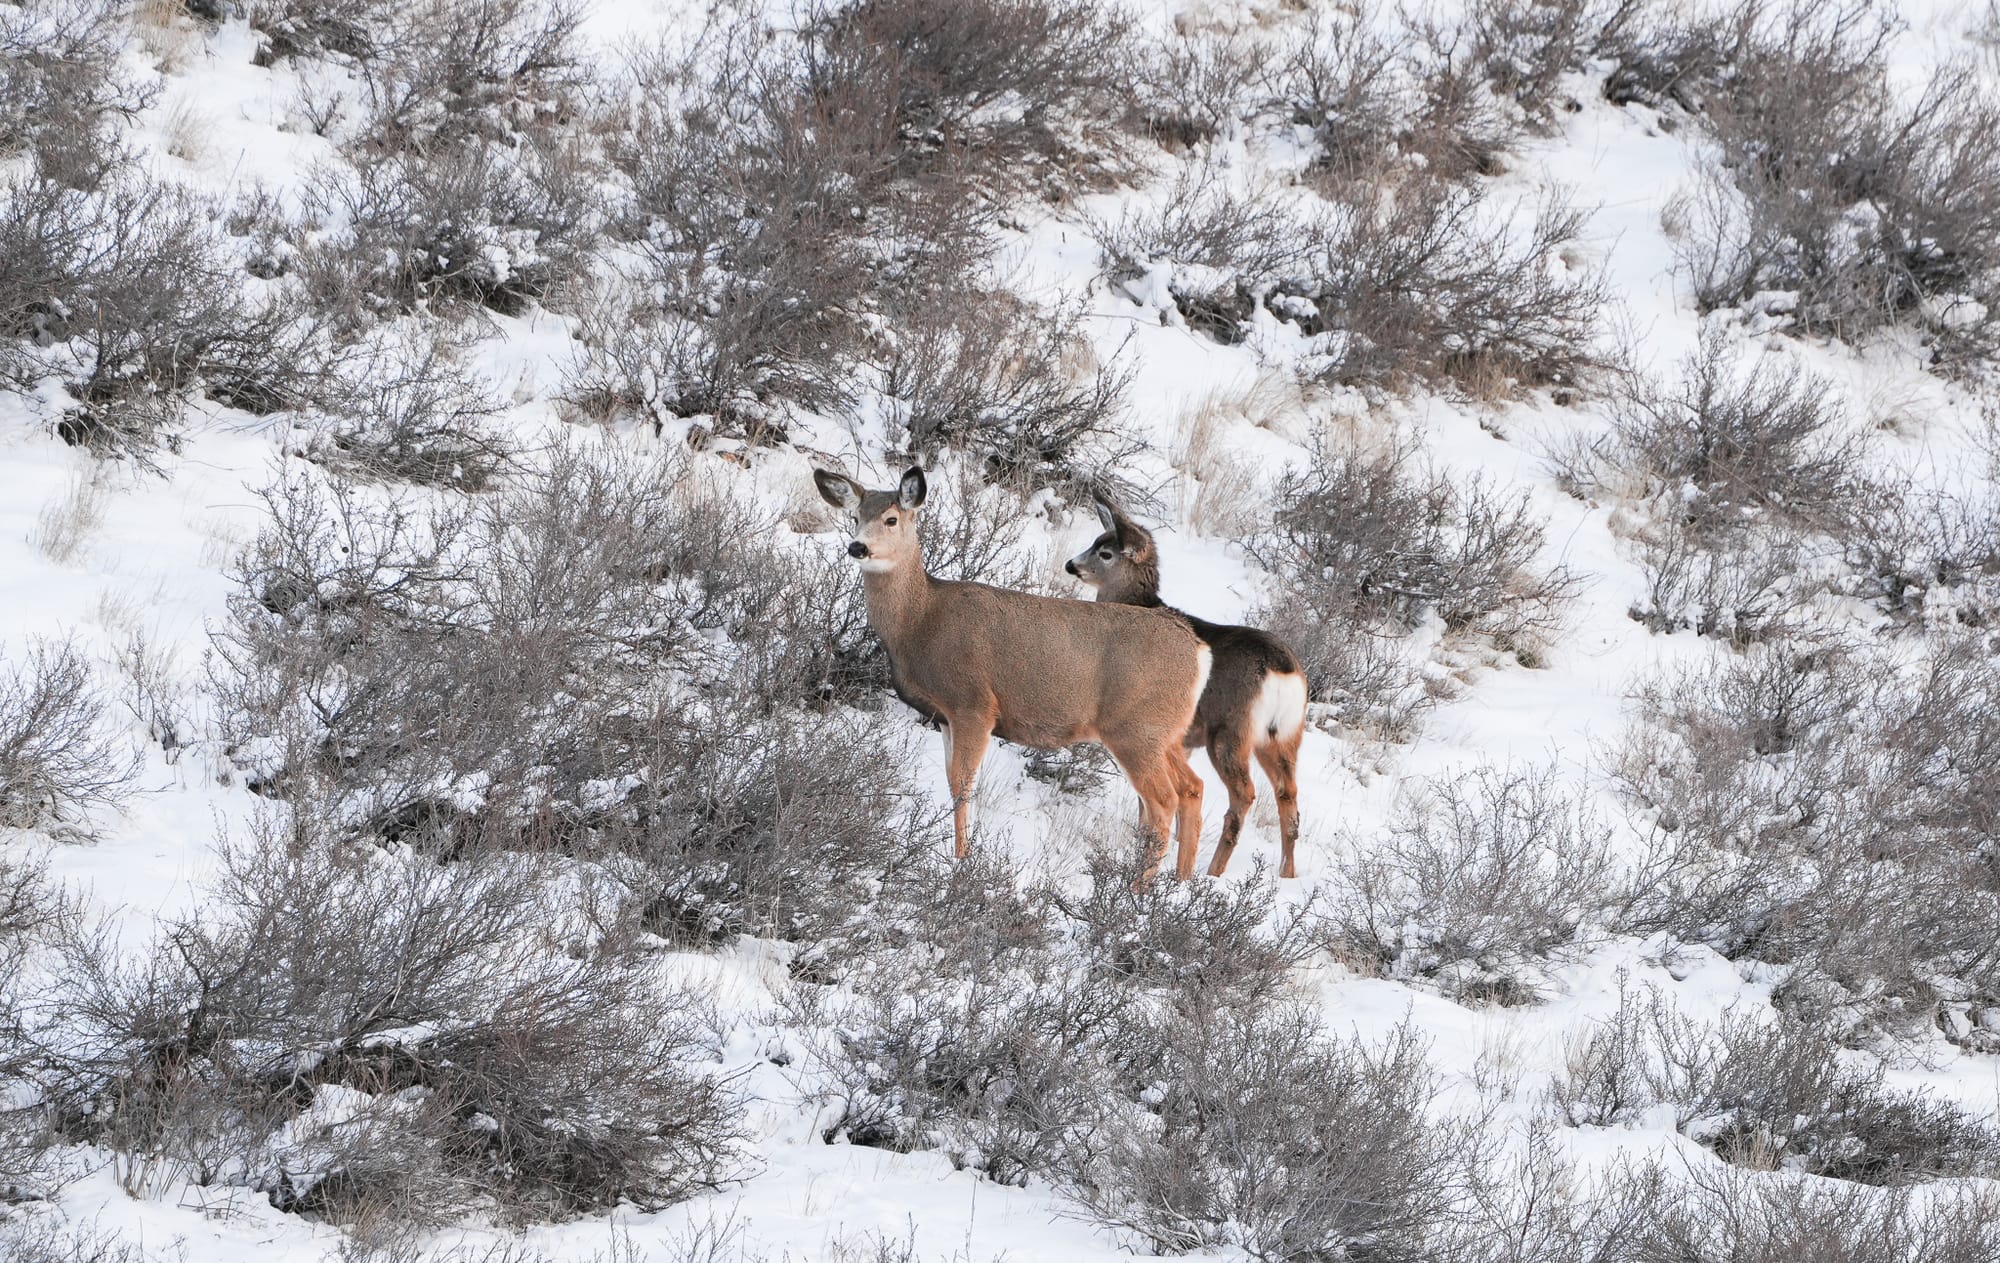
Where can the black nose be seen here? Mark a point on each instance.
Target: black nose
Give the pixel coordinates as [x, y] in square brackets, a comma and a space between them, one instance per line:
[1070, 566]
[857, 549]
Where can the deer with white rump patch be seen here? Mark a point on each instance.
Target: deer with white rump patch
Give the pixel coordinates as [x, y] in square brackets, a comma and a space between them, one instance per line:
[1254, 702]
[1036, 670]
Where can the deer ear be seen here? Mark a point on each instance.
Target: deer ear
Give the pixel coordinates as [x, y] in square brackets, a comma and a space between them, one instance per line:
[1136, 540]
[1106, 514]
[1130, 536]
[911, 491]
[838, 490]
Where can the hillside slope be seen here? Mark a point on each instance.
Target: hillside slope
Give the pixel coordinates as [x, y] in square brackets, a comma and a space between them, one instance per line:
[521, 856]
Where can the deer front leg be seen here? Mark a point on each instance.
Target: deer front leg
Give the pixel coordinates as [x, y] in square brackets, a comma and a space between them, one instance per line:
[965, 740]
[1187, 810]
[1151, 774]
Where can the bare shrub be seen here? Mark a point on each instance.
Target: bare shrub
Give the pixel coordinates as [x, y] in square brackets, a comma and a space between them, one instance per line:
[1413, 278]
[995, 378]
[349, 28]
[130, 298]
[1940, 726]
[1752, 480]
[1485, 879]
[403, 1247]
[1365, 540]
[62, 90]
[412, 413]
[1192, 86]
[1443, 97]
[945, 73]
[974, 531]
[443, 70]
[1735, 823]
[413, 1038]
[476, 224]
[1865, 211]
[1726, 449]
[1459, 127]
[1000, 1064]
[1410, 286]
[1427, 291]
[1365, 546]
[1018, 1061]
[967, 1024]
[49, 1237]
[1929, 557]
[1436, 98]
[1526, 47]
[766, 243]
[31, 912]
[58, 764]
[1214, 945]
[1674, 57]
[1745, 588]
[832, 224]
[1766, 1091]
[641, 358]
[1535, 1205]
[1348, 82]
[771, 824]
[1722, 1215]
[1222, 254]
[1221, 1149]
[1812, 811]
[606, 656]
[155, 693]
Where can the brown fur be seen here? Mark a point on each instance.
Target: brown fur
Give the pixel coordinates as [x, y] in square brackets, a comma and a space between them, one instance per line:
[1035, 670]
[1123, 565]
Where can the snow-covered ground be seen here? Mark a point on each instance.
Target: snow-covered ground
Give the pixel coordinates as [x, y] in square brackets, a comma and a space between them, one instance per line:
[152, 550]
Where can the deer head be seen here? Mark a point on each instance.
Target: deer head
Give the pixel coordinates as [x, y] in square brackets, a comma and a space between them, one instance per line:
[885, 522]
[1122, 563]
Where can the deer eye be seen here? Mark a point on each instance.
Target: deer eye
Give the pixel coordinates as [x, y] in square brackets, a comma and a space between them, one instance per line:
[888, 521]
[1104, 554]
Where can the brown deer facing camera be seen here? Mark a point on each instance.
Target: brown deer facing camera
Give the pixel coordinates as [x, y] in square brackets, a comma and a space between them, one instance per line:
[1254, 702]
[1036, 670]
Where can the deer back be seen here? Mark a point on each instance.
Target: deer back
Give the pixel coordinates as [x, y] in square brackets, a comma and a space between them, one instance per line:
[1051, 671]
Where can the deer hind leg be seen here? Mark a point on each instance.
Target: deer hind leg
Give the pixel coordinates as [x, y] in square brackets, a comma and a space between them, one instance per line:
[1279, 757]
[965, 740]
[1229, 753]
[1187, 809]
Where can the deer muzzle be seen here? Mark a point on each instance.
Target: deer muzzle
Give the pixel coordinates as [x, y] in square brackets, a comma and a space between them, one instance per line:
[857, 550]
[1070, 565]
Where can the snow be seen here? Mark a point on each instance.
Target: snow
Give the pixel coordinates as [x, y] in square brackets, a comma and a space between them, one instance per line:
[157, 562]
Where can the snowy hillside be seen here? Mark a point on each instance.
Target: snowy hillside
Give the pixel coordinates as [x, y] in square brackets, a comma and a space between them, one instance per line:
[453, 807]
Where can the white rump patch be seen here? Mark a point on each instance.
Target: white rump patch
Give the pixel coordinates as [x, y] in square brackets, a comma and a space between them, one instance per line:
[1280, 709]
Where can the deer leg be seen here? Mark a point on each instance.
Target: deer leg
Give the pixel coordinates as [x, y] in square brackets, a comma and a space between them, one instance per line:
[1187, 809]
[965, 741]
[1159, 796]
[1280, 761]
[1229, 753]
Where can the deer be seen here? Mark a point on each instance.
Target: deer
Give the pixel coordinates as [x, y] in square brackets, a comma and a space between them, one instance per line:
[1254, 701]
[1044, 672]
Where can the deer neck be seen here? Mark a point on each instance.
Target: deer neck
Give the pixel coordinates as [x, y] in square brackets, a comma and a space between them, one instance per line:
[898, 600]
[1141, 586]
